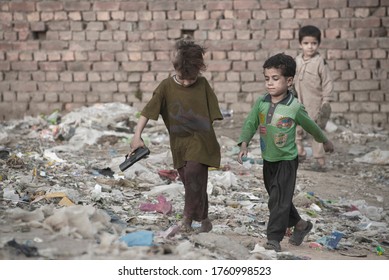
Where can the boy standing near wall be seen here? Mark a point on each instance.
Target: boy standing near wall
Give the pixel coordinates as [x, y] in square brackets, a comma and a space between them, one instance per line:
[277, 114]
[314, 88]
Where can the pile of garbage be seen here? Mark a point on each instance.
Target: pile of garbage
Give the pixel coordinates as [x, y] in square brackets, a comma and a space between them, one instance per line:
[63, 196]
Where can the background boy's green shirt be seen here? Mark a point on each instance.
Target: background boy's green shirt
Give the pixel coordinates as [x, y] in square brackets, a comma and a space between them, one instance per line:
[277, 127]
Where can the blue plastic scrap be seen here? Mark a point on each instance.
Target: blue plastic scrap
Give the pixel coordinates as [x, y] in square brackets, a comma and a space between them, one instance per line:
[138, 238]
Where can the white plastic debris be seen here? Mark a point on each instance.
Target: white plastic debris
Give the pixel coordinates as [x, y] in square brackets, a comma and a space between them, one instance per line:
[375, 157]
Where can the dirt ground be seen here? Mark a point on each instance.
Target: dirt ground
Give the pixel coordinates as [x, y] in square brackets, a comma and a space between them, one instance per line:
[345, 185]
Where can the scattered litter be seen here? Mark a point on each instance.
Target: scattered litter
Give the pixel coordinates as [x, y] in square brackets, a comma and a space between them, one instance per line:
[375, 157]
[162, 206]
[352, 253]
[380, 251]
[331, 241]
[170, 232]
[61, 190]
[138, 238]
[28, 251]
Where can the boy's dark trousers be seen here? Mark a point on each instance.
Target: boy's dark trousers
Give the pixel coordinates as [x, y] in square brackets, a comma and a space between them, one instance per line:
[280, 181]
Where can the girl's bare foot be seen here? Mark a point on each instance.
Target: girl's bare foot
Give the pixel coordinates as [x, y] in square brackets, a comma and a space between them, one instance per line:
[321, 162]
[186, 225]
[206, 226]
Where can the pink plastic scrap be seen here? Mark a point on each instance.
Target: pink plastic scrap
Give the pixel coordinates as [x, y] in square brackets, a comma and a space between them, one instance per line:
[171, 175]
[162, 206]
[170, 232]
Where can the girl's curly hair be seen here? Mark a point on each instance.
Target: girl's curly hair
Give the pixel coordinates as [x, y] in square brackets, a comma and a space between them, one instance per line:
[189, 59]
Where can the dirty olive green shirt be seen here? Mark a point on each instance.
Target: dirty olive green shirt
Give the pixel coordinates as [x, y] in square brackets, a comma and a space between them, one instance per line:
[188, 113]
[277, 127]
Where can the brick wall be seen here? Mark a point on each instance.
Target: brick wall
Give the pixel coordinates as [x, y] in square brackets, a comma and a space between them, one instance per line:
[66, 54]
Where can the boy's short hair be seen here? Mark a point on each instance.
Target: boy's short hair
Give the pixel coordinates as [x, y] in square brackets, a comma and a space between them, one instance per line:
[282, 61]
[310, 30]
[189, 59]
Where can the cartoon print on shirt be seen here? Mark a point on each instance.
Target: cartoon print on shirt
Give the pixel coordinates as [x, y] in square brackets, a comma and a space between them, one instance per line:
[280, 139]
[284, 122]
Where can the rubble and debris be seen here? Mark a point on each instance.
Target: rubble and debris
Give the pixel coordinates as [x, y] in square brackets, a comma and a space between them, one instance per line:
[63, 196]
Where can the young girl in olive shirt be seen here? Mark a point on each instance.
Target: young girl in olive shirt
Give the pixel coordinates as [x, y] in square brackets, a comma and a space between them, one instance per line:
[188, 107]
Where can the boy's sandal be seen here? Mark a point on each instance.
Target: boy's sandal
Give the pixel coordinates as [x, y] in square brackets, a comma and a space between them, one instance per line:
[273, 245]
[318, 168]
[299, 235]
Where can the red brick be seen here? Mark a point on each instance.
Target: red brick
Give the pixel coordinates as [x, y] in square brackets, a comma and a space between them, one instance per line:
[227, 86]
[366, 22]
[380, 118]
[161, 66]
[334, 44]
[302, 14]
[103, 16]
[24, 65]
[135, 66]
[245, 45]
[218, 66]
[50, 86]
[364, 3]
[303, 4]
[161, 5]
[273, 14]
[187, 15]
[8, 96]
[333, 3]
[346, 96]
[362, 43]
[77, 6]
[52, 66]
[202, 15]
[364, 85]
[274, 45]
[5, 17]
[378, 96]
[219, 5]
[49, 6]
[277, 5]
[4, 86]
[161, 46]
[25, 46]
[340, 107]
[133, 6]
[24, 86]
[195, 5]
[5, 66]
[246, 4]
[22, 6]
[219, 45]
[106, 6]
[109, 46]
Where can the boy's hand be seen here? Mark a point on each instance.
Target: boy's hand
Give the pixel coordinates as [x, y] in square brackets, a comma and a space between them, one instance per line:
[324, 115]
[242, 153]
[328, 146]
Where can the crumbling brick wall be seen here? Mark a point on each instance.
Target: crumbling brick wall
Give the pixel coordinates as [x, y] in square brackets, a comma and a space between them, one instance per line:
[66, 54]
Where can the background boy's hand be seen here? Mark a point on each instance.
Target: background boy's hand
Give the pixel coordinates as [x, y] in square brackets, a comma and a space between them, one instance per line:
[242, 153]
[323, 115]
[328, 146]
